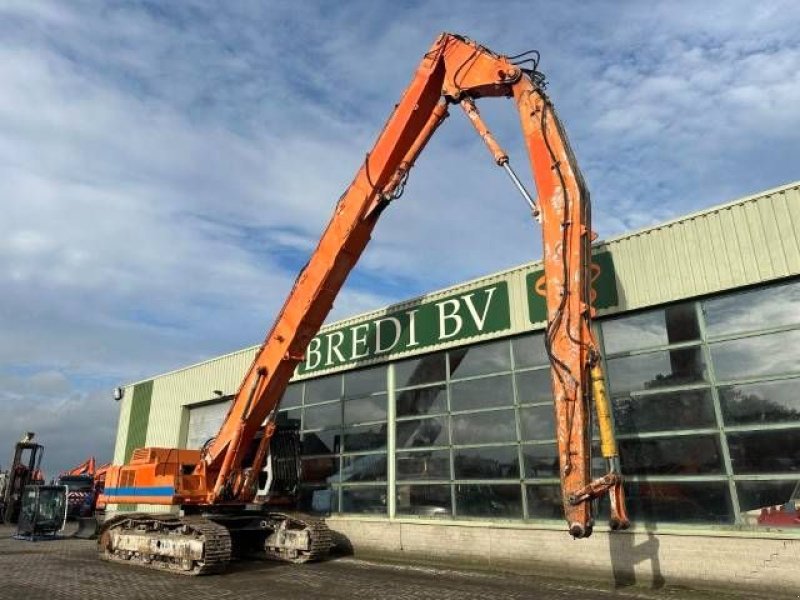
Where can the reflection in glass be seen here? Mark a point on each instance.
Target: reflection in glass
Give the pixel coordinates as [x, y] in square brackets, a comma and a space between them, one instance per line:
[365, 467]
[544, 502]
[685, 455]
[323, 416]
[671, 325]
[486, 463]
[484, 428]
[324, 388]
[773, 306]
[419, 433]
[479, 360]
[487, 392]
[757, 495]
[321, 442]
[757, 356]
[434, 464]
[534, 386]
[419, 371]
[365, 438]
[765, 451]
[540, 460]
[675, 502]
[538, 423]
[766, 402]
[293, 396]
[318, 499]
[364, 499]
[365, 381]
[656, 369]
[687, 409]
[489, 500]
[422, 401]
[424, 500]
[320, 469]
[289, 417]
[364, 410]
[529, 351]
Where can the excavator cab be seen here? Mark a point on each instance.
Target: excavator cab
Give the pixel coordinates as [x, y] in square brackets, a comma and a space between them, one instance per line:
[43, 511]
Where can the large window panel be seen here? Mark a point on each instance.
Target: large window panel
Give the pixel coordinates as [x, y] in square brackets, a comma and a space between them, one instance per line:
[433, 464]
[424, 500]
[488, 392]
[365, 381]
[686, 409]
[321, 442]
[534, 386]
[484, 428]
[741, 312]
[544, 501]
[676, 502]
[293, 396]
[489, 500]
[757, 356]
[540, 460]
[538, 423]
[656, 369]
[421, 433]
[323, 416]
[685, 455]
[480, 360]
[289, 417]
[364, 410]
[320, 469]
[766, 402]
[422, 401]
[529, 351]
[755, 495]
[671, 325]
[318, 499]
[486, 463]
[322, 389]
[364, 467]
[765, 451]
[364, 499]
[365, 438]
[431, 368]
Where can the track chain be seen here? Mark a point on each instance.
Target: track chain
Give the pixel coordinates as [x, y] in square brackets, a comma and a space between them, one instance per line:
[320, 542]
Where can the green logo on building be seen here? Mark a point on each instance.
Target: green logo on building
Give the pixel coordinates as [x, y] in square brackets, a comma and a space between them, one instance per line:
[604, 287]
[474, 312]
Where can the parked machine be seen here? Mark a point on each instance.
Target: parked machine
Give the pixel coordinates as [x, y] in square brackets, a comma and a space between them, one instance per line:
[215, 487]
[43, 512]
[85, 483]
[24, 470]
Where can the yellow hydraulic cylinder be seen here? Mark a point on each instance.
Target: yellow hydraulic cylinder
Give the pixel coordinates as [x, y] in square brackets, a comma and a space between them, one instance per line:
[608, 443]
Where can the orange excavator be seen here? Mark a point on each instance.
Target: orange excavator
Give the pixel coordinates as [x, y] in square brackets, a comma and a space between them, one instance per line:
[215, 487]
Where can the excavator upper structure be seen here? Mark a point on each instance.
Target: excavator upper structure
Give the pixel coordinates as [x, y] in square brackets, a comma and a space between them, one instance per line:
[216, 486]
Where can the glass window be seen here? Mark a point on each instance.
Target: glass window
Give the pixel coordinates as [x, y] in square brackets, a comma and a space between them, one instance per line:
[424, 500]
[656, 369]
[324, 388]
[765, 451]
[364, 499]
[687, 409]
[756, 495]
[484, 428]
[433, 464]
[365, 381]
[365, 467]
[486, 463]
[419, 371]
[534, 386]
[422, 401]
[773, 306]
[364, 410]
[757, 356]
[529, 351]
[685, 455]
[320, 470]
[487, 392]
[320, 500]
[293, 396]
[420, 433]
[365, 438]
[671, 325]
[541, 460]
[289, 417]
[321, 442]
[489, 500]
[768, 402]
[538, 423]
[676, 502]
[544, 502]
[323, 416]
[480, 360]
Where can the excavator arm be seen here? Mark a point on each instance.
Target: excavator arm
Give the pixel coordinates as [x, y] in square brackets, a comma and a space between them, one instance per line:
[455, 71]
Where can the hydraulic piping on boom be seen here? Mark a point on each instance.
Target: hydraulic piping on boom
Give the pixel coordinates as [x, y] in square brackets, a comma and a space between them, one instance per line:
[216, 487]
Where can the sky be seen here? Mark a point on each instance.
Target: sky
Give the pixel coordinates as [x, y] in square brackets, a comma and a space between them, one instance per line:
[166, 168]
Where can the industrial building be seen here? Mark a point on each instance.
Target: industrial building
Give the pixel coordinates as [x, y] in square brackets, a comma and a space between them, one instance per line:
[428, 430]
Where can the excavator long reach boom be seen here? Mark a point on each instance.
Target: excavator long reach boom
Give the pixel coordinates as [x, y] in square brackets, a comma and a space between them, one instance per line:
[455, 71]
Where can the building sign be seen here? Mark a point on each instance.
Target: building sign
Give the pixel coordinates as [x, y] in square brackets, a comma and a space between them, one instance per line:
[475, 312]
[604, 287]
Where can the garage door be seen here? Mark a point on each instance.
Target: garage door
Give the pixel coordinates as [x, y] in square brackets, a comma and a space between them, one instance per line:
[204, 423]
